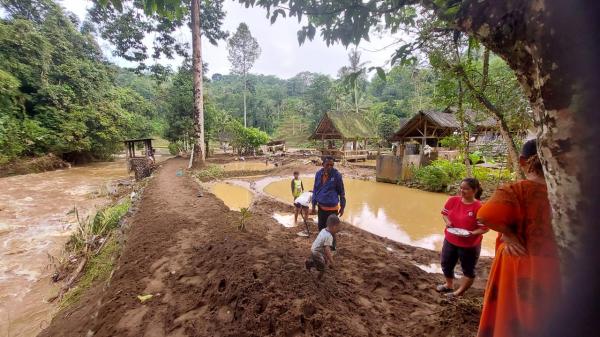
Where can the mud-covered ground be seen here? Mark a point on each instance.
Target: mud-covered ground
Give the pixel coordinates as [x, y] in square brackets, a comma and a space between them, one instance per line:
[208, 278]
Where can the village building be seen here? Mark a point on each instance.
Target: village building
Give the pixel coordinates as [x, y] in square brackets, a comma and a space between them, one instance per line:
[344, 135]
[418, 141]
[142, 162]
[275, 146]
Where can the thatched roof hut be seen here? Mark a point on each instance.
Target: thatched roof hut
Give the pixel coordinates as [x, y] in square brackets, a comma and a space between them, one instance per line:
[348, 127]
[434, 125]
[344, 125]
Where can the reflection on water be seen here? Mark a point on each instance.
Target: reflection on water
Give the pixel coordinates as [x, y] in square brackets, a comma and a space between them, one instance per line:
[399, 213]
[433, 268]
[235, 197]
[247, 166]
[34, 225]
[287, 220]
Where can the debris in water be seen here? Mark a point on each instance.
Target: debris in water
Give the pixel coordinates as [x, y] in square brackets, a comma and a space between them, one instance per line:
[144, 298]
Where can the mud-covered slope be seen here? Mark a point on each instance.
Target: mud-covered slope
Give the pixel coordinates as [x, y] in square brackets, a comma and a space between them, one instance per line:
[210, 279]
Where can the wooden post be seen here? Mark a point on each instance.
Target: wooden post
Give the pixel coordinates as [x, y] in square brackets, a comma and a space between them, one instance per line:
[423, 143]
[127, 156]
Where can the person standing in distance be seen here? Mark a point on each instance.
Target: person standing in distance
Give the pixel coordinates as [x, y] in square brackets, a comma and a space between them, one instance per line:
[328, 194]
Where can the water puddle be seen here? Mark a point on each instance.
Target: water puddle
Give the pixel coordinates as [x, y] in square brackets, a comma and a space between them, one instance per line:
[432, 268]
[33, 226]
[247, 166]
[235, 197]
[287, 219]
[399, 213]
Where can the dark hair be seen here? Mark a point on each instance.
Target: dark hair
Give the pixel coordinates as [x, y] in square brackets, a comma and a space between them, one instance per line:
[296, 172]
[327, 158]
[332, 219]
[475, 185]
[529, 152]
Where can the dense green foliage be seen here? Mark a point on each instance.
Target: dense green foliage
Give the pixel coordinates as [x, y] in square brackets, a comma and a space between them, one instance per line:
[443, 174]
[57, 92]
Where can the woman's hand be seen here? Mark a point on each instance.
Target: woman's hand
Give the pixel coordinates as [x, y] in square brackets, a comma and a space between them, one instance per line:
[513, 245]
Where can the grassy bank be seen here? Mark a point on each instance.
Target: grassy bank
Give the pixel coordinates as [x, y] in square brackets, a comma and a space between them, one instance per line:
[92, 250]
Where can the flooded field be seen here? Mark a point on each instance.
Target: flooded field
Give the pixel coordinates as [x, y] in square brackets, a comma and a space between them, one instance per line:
[247, 166]
[401, 214]
[235, 197]
[34, 225]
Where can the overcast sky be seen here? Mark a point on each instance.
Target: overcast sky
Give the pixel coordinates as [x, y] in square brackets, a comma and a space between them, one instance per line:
[281, 54]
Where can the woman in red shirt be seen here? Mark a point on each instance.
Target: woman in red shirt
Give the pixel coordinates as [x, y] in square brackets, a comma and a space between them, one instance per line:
[463, 235]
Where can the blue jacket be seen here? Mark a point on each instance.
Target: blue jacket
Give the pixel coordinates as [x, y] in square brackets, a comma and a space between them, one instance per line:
[332, 192]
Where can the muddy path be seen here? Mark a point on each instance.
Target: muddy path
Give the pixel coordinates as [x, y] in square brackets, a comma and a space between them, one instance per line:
[210, 279]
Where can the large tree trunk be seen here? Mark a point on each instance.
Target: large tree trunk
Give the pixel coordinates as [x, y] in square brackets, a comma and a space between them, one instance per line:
[521, 33]
[245, 88]
[552, 46]
[199, 146]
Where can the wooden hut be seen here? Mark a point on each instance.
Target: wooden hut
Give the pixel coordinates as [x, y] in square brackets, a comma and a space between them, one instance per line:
[275, 146]
[418, 140]
[140, 162]
[427, 128]
[344, 135]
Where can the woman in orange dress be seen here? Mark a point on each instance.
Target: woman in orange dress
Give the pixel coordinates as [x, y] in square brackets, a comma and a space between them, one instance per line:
[524, 280]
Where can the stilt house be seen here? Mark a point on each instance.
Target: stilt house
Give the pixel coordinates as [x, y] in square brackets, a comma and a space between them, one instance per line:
[344, 135]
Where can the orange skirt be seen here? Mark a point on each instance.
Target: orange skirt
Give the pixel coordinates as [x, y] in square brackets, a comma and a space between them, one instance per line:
[520, 295]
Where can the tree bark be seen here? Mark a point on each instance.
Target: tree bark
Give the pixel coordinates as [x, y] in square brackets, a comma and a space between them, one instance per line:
[554, 59]
[245, 88]
[464, 135]
[356, 96]
[199, 146]
[486, 69]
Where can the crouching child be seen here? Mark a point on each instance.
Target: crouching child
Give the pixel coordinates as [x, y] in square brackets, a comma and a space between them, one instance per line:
[321, 255]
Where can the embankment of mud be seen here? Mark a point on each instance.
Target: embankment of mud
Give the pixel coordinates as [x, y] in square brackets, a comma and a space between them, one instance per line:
[207, 278]
[45, 163]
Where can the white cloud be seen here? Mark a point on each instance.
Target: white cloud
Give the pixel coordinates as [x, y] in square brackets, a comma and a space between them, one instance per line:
[281, 54]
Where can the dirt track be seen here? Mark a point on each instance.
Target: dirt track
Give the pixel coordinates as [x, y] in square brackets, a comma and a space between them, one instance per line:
[209, 279]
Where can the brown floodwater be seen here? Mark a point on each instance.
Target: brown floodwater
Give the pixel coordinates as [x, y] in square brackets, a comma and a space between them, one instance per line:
[399, 213]
[34, 226]
[235, 197]
[247, 166]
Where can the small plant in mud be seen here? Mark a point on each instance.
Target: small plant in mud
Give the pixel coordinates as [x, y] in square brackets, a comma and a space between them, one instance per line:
[244, 216]
[90, 231]
[210, 172]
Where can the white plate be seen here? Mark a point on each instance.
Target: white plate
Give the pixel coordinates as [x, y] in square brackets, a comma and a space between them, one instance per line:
[458, 231]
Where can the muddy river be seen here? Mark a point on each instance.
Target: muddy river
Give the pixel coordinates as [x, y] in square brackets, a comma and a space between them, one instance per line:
[399, 213]
[34, 226]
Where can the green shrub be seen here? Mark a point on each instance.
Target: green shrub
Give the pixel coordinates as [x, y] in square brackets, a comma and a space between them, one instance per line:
[174, 148]
[210, 172]
[88, 230]
[443, 173]
[454, 170]
[432, 177]
[452, 141]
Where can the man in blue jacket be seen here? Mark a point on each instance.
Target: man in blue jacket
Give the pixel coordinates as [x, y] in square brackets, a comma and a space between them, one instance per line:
[328, 193]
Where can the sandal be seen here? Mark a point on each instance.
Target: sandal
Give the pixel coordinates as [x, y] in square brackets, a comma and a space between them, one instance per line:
[443, 289]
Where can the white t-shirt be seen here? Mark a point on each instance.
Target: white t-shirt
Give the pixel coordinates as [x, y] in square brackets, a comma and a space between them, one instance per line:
[304, 199]
[323, 239]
